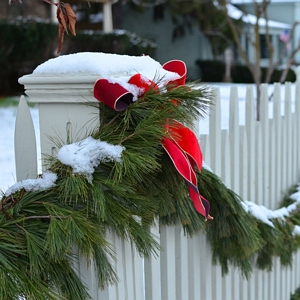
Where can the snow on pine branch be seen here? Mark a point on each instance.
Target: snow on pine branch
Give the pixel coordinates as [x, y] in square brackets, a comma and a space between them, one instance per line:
[45, 182]
[82, 156]
[87, 154]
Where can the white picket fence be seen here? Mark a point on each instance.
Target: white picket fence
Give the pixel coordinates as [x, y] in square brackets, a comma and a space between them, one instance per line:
[259, 161]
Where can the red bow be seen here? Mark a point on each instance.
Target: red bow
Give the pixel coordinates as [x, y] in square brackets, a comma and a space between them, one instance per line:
[182, 146]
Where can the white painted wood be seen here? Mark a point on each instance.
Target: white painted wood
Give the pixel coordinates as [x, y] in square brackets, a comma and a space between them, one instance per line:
[182, 264]
[288, 133]
[234, 136]
[243, 187]
[258, 164]
[168, 262]
[205, 148]
[273, 165]
[215, 135]
[226, 161]
[25, 143]
[278, 144]
[152, 270]
[265, 149]
[195, 253]
[297, 124]
[67, 107]
[250, 131]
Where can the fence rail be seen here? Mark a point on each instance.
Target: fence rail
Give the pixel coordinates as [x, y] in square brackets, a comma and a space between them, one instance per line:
[258, 160]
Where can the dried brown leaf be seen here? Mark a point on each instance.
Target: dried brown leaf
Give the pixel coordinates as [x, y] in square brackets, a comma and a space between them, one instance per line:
[71, 18]
[61, 32]
[61, 16]
[66, 19]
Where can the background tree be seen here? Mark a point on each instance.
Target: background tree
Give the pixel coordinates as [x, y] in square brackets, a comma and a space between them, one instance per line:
[261, 11]
[216, 23]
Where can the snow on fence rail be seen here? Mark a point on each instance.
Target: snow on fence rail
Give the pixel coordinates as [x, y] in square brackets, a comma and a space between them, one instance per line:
[258, 160]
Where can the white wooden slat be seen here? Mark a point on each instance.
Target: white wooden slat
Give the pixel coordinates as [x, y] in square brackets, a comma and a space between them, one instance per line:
[252, 287]
[88, 275]
[182, 266]
[196, 250]
[216, 282]
[284, 290]
[264, 123]
[292, 278]
[226, 159]
[168, 262]
[152, 270]
[234, 135]
[278, 280]
[206, 271]
[25, 143]
[294, 150]
[133, 277]
[215, 135]
[277, 147]
[236, 283]
[138, 271]
[205, 148]
[227, 285]
[284, 159]
[244, 286]
[120, 268]
[259, 165]
[250, 131]
[273, 165]
[288, 133]
[297, 125]
[271, 283]
[243, 188]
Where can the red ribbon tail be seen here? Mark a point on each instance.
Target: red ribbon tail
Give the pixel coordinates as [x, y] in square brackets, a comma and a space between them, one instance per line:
[183, 165]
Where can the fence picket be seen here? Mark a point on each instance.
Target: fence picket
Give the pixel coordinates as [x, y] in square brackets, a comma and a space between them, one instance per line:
[243, 188]
[215, 135]
[152, 270]
[182, 265]
[264, 123]
[234, 139]
[288, 134]
[25, 143]
[278, 150]
[168, 262]
[250, 131]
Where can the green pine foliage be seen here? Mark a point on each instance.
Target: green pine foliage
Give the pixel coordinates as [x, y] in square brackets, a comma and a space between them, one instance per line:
[233, 233]
[44, 233]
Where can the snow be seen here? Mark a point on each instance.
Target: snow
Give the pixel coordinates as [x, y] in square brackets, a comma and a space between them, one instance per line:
[45, 182]
[113, 66]
[237, 14]
[86, 155]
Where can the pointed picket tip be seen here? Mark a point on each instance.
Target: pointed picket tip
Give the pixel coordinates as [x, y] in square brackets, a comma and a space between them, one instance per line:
[25, 143]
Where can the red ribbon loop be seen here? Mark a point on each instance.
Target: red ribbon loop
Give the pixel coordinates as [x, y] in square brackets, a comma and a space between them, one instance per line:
[112, 94]
[182, 145]
[179, 67]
